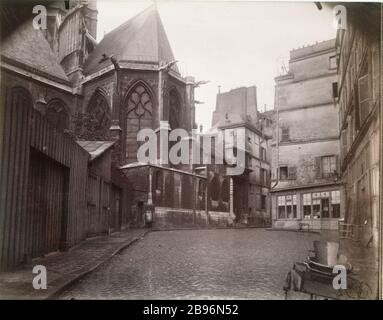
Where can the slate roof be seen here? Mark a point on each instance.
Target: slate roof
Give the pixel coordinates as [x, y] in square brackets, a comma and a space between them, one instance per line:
[142, 39]
[28, 46]
[95, 148]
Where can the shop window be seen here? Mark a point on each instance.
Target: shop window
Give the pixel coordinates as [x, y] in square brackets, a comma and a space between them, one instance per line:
[316, 209]
[281, 212]
[335, 204]
[307, 206]
[325, 208]
[287, 207]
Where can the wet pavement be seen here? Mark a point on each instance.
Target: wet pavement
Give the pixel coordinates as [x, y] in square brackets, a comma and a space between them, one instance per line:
[198, 264]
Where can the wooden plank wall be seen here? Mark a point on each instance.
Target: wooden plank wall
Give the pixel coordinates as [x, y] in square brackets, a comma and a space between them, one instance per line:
[98, 205]
[22, 128]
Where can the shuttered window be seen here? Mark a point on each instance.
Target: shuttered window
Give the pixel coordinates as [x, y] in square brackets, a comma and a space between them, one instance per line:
[325, 167]
[285, 135]
[328, 166]
[292, 173]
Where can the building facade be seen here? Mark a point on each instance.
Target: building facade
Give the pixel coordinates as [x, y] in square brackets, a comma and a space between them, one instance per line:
[359, 98]
[359, 102]
[305, 176]
[70, 112]
[237, 110]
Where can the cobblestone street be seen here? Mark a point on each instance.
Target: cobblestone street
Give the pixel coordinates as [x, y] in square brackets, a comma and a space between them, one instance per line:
[198, 264]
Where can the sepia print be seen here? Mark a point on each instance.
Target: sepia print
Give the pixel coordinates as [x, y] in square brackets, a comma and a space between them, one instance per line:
[190, 150]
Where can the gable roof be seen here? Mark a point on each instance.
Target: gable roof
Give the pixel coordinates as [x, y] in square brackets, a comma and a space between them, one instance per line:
[95, 148]
[29, 47]
[142, 39]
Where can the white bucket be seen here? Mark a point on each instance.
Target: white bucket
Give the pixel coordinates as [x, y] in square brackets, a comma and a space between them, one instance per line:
[326, 252]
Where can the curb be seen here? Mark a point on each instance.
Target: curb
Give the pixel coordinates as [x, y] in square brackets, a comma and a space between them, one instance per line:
[68, 280]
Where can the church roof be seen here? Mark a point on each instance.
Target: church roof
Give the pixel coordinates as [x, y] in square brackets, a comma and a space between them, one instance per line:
[28, 46]
[142, 39]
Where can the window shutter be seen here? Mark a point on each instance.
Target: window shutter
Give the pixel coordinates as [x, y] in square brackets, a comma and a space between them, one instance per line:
[292, 172]
[317, 167]
[285, 134]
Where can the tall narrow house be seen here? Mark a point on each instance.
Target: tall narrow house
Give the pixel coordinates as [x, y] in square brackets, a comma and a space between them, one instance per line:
[305, 178]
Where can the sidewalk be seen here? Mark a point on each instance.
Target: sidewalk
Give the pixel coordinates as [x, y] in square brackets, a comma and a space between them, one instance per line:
[63, 268]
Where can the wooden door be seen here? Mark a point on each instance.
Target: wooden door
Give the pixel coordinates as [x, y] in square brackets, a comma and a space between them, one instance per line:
[46, 203]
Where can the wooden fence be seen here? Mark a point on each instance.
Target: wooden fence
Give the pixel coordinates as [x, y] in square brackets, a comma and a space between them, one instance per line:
[43, 176]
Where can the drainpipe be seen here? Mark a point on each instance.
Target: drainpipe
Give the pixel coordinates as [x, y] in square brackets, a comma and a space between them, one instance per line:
[277, 147]
[277, 140]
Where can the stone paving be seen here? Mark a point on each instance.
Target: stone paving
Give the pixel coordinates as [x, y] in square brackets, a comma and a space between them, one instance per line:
[64, 268]
[198, 264]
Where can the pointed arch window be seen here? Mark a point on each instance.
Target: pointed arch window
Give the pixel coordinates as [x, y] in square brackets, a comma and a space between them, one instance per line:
[139, 108]
[99, 109]
[57, 114]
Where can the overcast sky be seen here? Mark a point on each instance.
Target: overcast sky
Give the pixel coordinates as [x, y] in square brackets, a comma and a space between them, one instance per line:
[229, 43]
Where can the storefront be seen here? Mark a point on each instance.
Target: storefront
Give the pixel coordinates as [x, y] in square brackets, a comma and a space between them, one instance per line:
[316, 208]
